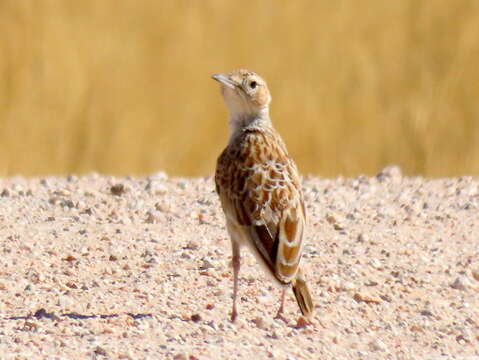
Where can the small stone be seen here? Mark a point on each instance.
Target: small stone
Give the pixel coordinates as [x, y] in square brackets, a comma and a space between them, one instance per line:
[275, 335]
[29, 326]
[180, 356]
[72, 178]
[117, 189]
[375, 263]
[62, 192]
[71, 285]
[362, 237]
[259, 322]
[338, 227]
[87, 211]
[192, 245]
[202, 219]
[347, 286]
[368, 299]
[416, 328]
[2, 286]
[461, 283]
[156, 187]
[377, 345]
[426, 312]
[196, 318]
[391, 172]
[124, 356]
[461, 339]
[100, 351]
[68, 204]
[182, 185]
[475, 274]
[159, 176]
[207, 264]
[331, 219]
[150, 218]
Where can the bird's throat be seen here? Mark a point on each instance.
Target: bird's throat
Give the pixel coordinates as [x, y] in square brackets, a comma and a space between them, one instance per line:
[239, 121]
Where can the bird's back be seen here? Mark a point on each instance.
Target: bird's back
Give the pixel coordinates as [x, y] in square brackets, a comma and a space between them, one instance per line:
[260, 192]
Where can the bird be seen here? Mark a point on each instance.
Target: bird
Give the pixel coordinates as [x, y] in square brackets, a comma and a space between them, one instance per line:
[260, 190]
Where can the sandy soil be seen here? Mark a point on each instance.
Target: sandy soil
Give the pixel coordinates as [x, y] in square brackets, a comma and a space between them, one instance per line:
[134, 268]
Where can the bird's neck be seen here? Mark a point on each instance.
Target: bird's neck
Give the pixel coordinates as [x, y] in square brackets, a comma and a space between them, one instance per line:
[240, 121]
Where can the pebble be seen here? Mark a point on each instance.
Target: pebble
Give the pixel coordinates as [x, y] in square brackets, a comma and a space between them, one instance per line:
[426, 312]
[180, 356]
[100, 351]
[475, 274]
[196, 318]
[362, 237]
[206, 264]
[192, 245]
[347, 286]
[375, 263]
[363, 297]
[150, 218]
[461, 283]
[391, 172]
[377, 345]
[117, 189]
[159, 176]
[259, 322]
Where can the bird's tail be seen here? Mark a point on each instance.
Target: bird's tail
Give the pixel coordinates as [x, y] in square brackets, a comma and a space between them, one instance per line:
[303, 297]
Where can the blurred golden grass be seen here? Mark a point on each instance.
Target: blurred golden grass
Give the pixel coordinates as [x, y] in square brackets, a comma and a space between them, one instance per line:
[123, 86]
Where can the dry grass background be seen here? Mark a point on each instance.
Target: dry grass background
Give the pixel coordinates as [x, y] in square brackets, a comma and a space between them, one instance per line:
[123, 86]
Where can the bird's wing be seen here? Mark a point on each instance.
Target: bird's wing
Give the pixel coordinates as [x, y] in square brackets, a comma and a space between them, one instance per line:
[259, 189]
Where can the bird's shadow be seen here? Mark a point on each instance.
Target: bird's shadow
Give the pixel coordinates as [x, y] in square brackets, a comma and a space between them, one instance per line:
[43, 314]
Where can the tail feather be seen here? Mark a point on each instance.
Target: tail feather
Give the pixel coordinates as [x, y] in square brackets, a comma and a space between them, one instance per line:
[303, 297]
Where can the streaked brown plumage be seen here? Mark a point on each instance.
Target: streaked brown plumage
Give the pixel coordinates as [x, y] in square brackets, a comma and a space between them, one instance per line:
[259, 188]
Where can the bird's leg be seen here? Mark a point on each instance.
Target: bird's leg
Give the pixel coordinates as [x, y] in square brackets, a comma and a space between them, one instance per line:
[279, 314]
[236, 268]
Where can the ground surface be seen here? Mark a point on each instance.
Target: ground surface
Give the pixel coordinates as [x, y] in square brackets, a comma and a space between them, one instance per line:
[142, 270]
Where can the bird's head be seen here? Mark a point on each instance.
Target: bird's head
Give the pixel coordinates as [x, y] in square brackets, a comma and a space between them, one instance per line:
[246, 96]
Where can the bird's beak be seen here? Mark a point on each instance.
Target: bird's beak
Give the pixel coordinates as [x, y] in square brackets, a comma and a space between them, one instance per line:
[225, 80]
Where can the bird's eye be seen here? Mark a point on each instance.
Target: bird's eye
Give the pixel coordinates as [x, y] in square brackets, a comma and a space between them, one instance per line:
[253, 84]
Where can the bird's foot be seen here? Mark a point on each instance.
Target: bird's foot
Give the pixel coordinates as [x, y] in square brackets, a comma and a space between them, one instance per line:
[234, 315]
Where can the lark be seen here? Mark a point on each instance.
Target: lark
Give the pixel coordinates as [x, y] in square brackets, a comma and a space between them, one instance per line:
[260, 190]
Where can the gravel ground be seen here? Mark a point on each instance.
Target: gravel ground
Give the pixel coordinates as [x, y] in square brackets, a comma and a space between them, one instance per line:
[139, 267]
